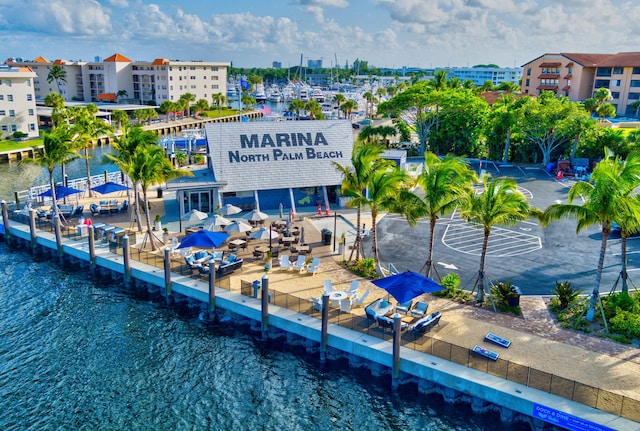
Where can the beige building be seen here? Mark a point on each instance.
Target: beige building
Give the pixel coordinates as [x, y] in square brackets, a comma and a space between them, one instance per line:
[119, 79]
[17, 102]
[578, 76]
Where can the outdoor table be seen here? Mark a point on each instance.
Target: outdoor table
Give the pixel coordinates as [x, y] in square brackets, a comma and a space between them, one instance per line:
[287, 241]
[237, 244]
[336, 296]
[262, 249]
[303, 249]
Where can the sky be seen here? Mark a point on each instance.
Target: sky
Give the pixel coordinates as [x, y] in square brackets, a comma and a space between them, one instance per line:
[255, 33]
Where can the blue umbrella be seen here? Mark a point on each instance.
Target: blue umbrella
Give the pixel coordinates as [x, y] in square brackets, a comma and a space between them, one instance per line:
[109, 187]
[204, 239]
[61, 192]
[407, 285]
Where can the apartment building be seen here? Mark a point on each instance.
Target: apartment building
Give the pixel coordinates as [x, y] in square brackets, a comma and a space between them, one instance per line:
[119, 79]
[578, 76]
[17, 102]
[480, 75]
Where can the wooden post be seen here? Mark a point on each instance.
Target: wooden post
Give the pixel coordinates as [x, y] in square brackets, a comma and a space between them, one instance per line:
[92, 250]
[5, 218]
[126, 260]
[397, 320]
[325, 327]
[265, 305]
[56, 228]
[212, 288]
[167, 271]
[32, 230]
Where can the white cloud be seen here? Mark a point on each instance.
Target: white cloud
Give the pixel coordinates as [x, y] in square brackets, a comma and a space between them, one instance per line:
[119, 3]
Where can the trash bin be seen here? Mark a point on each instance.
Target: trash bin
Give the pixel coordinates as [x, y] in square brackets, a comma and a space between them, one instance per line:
[514, 301]
[256, 288]
[326, 236]
[159, 193]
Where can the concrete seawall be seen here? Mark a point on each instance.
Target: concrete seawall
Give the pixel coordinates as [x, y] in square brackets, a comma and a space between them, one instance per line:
[484, 392]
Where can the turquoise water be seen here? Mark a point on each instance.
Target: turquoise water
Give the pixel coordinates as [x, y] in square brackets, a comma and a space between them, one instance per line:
[79, 354]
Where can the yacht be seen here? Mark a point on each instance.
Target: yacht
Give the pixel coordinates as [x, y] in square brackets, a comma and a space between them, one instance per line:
[259, 94]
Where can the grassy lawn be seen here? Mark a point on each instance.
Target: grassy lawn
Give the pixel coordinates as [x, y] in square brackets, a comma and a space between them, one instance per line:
[11, 145]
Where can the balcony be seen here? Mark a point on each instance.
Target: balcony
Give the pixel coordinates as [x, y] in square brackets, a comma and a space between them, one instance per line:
[549, 76]
[547, 87]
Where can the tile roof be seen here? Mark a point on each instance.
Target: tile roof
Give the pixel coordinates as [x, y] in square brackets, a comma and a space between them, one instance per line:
[117, 58]
[40, 60]
[621, 59]
[108, 97]
[160, 61]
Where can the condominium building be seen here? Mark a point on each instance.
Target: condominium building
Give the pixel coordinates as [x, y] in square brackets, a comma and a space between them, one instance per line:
[119, 79]
[17, 102]
[480, 75]
[578, 76]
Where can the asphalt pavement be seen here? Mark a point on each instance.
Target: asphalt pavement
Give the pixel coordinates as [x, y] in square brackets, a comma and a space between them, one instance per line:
[530, 256]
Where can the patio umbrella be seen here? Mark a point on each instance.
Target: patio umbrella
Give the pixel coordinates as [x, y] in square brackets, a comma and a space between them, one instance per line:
[61, 192]
[237, 226]
[407, 285]
[195, 216]
[264, 233]
[229, 209]
[204, 239]
[302, 235]
[109, 187]
[255, 215]
[219, 221]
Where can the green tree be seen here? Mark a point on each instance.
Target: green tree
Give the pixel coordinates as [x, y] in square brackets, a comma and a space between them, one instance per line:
[314, 109]
[56, 102]
[606, 197]
[200, 106]
[186, 99]
[339, 99]
[498, 203]
[504, 117]
[296, 105]
[121, 93]
[348, 107]
[166, 107]
[219, 100]
[444, 183]
[365, 161]
[57, 74]
[120, 117]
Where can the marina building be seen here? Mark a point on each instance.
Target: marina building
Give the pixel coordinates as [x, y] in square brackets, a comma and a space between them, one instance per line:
[119, 79]
[17, 102]
[577, 76]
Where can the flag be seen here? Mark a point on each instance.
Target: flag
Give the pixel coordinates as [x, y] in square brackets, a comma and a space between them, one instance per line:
[265, 110]
[244, 85]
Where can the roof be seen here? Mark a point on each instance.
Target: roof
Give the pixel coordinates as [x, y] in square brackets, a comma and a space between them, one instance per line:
[40, 60]
[622, 59]
[117, 58]
[587, 60]
[160, 61]
[60, 62]
[108, 97]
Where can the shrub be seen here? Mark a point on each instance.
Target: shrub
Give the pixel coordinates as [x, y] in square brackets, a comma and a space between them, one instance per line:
[626, 323]
[565, 293]
[503, 291]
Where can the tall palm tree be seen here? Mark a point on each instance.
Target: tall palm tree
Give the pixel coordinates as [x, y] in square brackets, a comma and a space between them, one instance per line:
[339, 99]
[606, 197]
[57, 74]
[124, 148]
[365, 160]
[120, 117]
[149, 166]
[444, 183]
[219, 99]
[498, 203]
[56, 102]
[383, 190]
[348, 107]
[296, 105]
[186, 100]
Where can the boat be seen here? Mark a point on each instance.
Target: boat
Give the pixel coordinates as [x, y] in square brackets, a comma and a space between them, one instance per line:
[259, 94]
[317, 95]
[275, 95]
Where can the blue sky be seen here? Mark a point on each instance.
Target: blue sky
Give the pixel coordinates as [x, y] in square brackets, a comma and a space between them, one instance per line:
[254, 33]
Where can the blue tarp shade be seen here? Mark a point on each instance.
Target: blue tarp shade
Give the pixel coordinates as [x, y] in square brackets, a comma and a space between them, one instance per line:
[204, 239]
[407, 285]
[109, 187]
[61, 192]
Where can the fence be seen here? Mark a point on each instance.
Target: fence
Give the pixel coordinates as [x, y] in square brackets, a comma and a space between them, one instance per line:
[505, 369]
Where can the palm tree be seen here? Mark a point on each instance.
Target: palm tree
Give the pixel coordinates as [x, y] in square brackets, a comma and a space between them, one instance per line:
[88, 128]
[57, 74]
[606, 197]
[313, 108]
[124, 148]
[200, 106]
[56, 102]
[186, 100]
[444, 183]
[121, 93]
[365, 160]
[296, 105]
[348, 107]
[219, 99]
[383, 190]
[498, 203]
[339, 99]
[120, 117]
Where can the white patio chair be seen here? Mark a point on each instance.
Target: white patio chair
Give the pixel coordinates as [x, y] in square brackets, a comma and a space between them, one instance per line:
[315, 265]
[317, 303]
[285, 264]
[300, 263]
[420, 309]
[353, 288]
[359, 301]
[328, 286]
[345, 305]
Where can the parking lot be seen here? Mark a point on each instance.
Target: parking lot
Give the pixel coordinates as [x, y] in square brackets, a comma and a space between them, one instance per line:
[527, 254]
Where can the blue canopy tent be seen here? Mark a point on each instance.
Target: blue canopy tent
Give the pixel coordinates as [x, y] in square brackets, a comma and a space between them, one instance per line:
[204, 239]
[407, 285]
[109, 187]
[61, 192]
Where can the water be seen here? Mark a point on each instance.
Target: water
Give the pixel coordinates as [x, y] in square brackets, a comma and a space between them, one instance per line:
[78, 354]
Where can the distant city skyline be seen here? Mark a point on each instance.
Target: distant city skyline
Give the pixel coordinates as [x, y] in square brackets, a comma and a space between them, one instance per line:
[385, 33]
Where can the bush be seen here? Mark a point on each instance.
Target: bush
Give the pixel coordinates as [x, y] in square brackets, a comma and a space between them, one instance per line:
[626, 323]
[565, 293]
[503, 292]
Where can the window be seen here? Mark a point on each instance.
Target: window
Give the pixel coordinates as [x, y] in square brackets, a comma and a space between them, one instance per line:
[526, 82]
[32, 127]
[615, 94]
[634, 83]
[31, 113]
[636, 71]
[8, 83]
[12, 113]
[1, 97]
[601, 83]
[603, 71]
[634, 96]
[14, 128]
[9, 97]
[0, 81]
[3, 112]
[615, 83]
[529, 71]
[5, 128]
[618, 70]
[29, 97]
